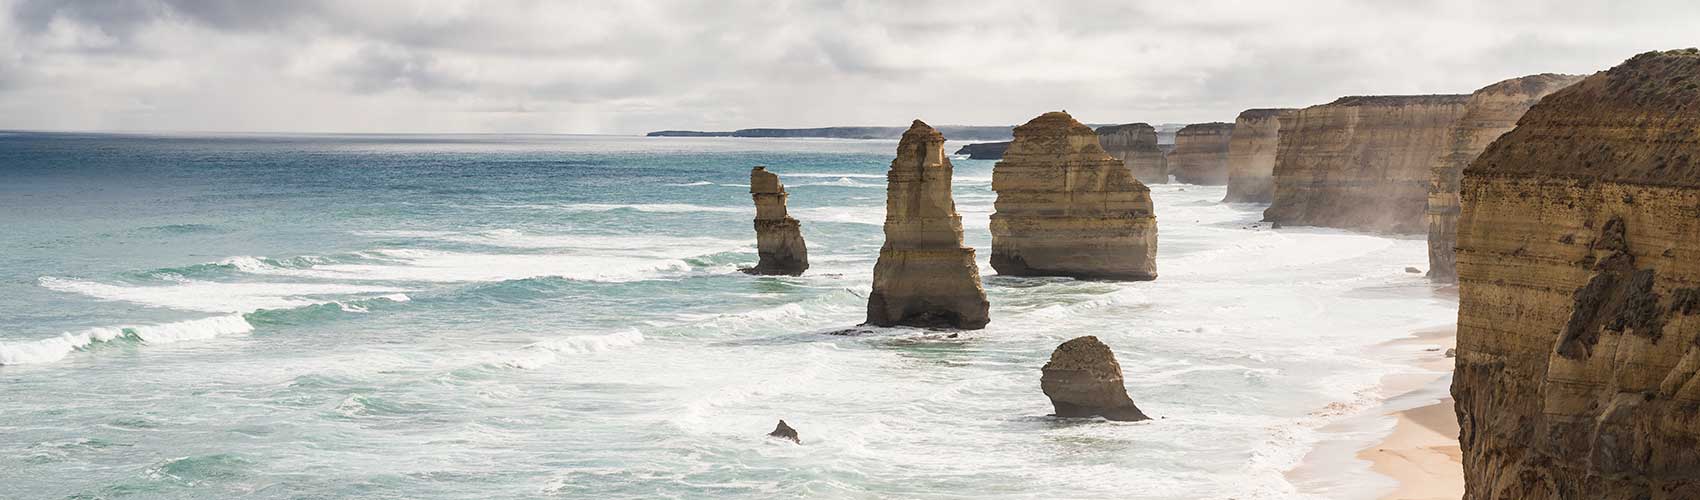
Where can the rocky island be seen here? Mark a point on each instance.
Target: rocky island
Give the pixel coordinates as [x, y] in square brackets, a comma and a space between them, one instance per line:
[1578, 371]
[984, 150]
[1362, 162]
[924, 276]
[1083, 379]
[1201, 154]
[1251, 155]
[1135, 144]
[779, 238]
[1492, 111]
[1065, 207]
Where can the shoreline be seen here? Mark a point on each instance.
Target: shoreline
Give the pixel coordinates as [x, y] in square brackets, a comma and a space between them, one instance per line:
[1408, 443]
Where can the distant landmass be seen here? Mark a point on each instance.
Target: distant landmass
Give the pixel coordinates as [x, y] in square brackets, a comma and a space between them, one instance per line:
[959, 133]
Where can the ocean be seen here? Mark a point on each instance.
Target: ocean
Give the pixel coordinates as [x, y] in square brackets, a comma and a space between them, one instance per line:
[501, 316]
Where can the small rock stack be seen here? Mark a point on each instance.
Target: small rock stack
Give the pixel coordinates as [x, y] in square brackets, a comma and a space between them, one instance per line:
[779, 238]
[1083, 380]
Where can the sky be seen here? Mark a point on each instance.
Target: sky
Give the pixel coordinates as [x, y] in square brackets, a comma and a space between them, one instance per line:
[631, 66]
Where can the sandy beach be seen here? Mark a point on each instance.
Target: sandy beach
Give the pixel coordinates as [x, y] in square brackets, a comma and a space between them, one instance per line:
[1422, 452]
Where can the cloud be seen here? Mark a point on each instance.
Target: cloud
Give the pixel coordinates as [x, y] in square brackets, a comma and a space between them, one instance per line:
[628, 67]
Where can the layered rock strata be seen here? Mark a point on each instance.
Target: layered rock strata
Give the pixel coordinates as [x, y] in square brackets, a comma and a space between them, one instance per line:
[1083, 379]
[779, 238]
[1067, 208]
[1135, 144]
[1251, 154]
[1362, 162]
[925, 276]
[1201, 154]
[1578, 368]
[1492, 111]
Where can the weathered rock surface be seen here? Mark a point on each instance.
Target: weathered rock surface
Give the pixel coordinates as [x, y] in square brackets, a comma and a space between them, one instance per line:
[924, 276]
[984, 150]
[1201, 154]
[785, 432]
[779, 238]
[1083, 379]
[1135, 144]
[1492, 111]
[1251, 154]
[1362, 162]
[1067, 208]
[1578, 370]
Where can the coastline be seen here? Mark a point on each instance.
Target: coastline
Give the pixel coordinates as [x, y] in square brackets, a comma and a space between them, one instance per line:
[1407, 445]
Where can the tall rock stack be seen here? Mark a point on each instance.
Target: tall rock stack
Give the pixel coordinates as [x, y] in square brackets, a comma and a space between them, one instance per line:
[779, 238]
[924, 277]
[1251, 154]
[1067, 208]
[1362, 162]
[1578, 371]
[1201, 154]
[1135, 144]
[1492, 111]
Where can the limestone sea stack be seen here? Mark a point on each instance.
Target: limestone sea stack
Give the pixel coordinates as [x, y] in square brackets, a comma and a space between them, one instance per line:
[1578, 372]
[1135, 144]
[1251, 155]
[1492, 111]
[1362, 162]
[779, 238]
[1201, 154]
[1083, 379]
[1067, 208]
[924, 276]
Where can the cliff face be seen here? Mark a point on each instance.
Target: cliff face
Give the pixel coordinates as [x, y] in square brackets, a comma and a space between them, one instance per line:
[924, 276]
[1201, 154]
[1578, 369]
[1492, 111]
[779, 238]
[1135, 144]
[1067, 208]
[1251, 154]
[1362, 162]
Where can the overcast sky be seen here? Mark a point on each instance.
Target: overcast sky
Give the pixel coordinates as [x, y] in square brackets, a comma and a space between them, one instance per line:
[623, 66]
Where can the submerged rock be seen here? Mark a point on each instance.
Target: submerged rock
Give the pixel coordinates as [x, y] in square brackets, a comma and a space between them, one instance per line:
[1083, 380]
[1251, 154]
[1362, 162]
[1491, 112]
[779, 238]
[925, 276]
[1067, 208]
[784, 431]
[1201, 154]
[1135, 144]
[1578, 369]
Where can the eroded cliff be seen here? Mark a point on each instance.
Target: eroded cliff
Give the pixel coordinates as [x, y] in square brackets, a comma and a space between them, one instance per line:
[1251, 154]
[1362, 162]
[1067, 208]
[1578, 370]
[1492, 111]
[1201, 154]
[925, 276]
[1135, 144]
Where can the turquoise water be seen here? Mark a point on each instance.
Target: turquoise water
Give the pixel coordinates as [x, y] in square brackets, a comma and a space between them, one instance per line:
[557, 316]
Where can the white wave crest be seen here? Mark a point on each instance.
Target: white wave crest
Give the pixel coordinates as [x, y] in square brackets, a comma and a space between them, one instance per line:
[550, 351]
[207, 296]
[53, 349]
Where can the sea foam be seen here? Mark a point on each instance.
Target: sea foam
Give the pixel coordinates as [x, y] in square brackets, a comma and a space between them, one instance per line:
[53, 349]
